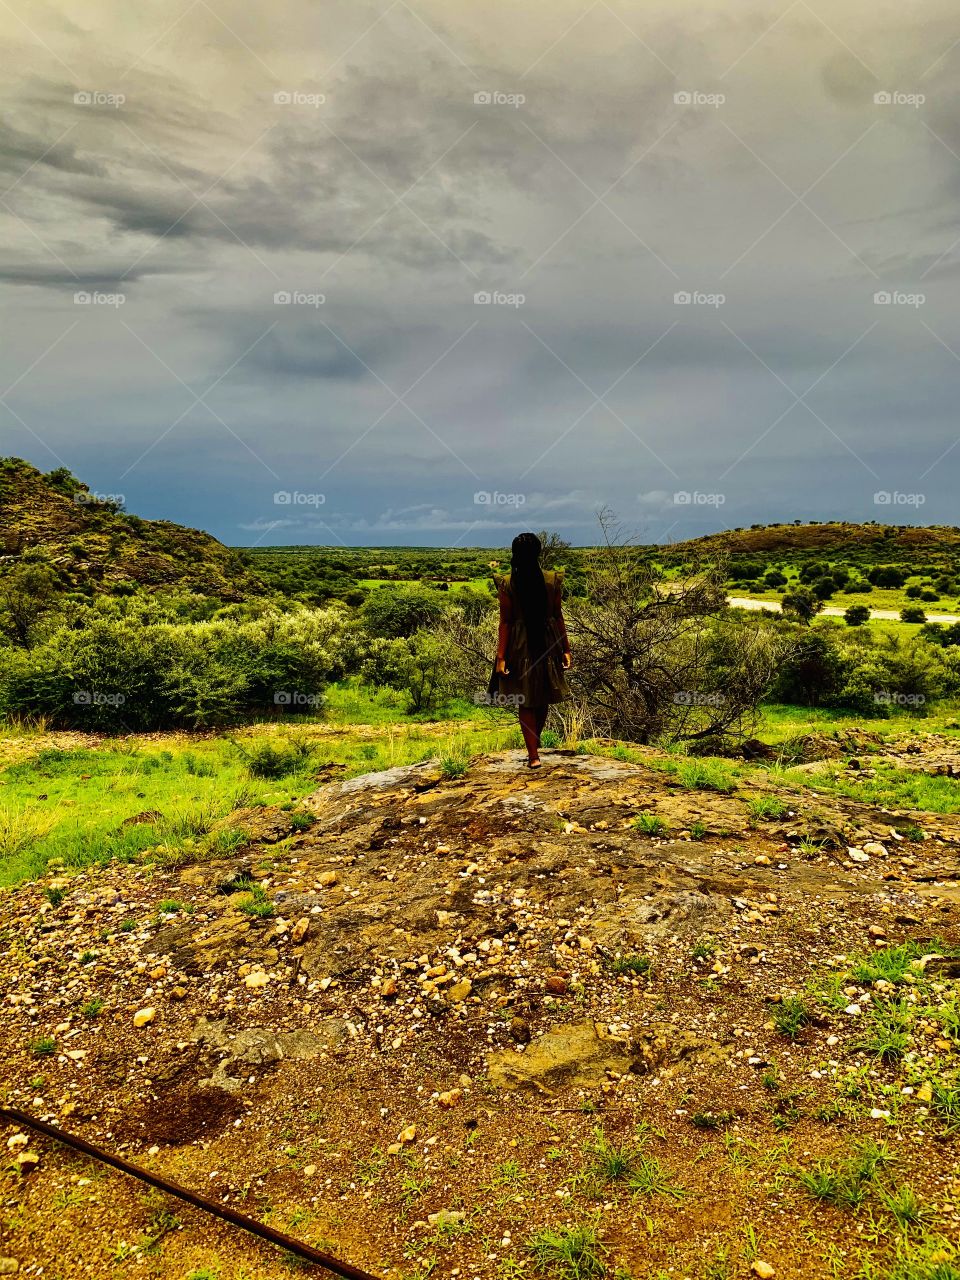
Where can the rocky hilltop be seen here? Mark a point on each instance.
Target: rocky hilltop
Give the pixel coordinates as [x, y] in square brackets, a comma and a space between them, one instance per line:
[473, 1025]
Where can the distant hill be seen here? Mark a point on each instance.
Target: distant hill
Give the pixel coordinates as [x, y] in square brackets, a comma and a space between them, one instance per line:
[829, 540]
[94, 545]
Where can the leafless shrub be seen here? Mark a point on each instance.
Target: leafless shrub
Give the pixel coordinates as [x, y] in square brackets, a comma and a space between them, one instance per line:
[656, 658]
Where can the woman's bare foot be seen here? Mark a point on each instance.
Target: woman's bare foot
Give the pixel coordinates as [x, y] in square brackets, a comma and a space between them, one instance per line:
[534, 764]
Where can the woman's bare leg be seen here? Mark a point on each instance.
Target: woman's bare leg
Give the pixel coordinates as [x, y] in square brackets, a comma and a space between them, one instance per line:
[531, 736]
[542, 713]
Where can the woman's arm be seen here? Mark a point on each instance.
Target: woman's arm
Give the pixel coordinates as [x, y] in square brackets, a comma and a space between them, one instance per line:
[506, 620]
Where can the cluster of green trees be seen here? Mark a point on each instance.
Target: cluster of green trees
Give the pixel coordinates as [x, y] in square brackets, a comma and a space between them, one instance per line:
[656, 656]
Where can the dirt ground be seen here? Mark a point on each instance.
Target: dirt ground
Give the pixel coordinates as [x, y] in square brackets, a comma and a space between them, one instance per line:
[453, 1013]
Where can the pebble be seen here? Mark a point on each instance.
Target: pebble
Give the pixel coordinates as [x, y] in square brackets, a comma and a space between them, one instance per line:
[446, 1217]
[853, 1009]
[18, 1140]
[9, 1266]
[144, 1016]
[762, 1269]
[300, 930]
[326, 879]
[858, 855]
[256, 979]
[556, 985]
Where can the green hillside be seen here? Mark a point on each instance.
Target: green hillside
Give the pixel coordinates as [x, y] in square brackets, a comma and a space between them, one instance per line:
[95, 546]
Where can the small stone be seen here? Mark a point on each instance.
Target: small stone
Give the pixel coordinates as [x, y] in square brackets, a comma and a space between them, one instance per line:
[925, 1092]
[762, 1269]
[520, 1030]
[446, 1218]
[556, 985]
[159, 972]
[18, 1140]
[876, 932]
[309, 1170]
[761, 860]
[409, 1134]
[144, 1016]
[858, 855]
[389, 988]
[9, 1266]
[326, 878]
[394, 1149]
[28, 1161]
[300, 930]
[460, 991]
[450, 1098]
[178, 993]
[852, 1009]
[878, 1114]
[875, 848]
[256, 979]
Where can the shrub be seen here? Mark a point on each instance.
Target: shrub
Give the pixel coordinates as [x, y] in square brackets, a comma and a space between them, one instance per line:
[419, 666]
[115, 672]
[856, 615]
[814, 671]
[887, 575]
[392, 614]
[657, 658]
[912, 613]
[802, 603]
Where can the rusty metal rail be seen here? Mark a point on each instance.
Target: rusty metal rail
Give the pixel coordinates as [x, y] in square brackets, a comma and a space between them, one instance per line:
[305, 1251]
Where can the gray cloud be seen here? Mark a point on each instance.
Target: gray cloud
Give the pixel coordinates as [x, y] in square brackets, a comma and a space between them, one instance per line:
[598, 199]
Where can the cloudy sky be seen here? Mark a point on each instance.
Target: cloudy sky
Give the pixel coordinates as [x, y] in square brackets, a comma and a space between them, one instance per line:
[371, 271]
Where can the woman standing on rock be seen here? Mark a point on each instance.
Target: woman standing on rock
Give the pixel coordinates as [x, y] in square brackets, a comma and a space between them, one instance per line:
[532, 647]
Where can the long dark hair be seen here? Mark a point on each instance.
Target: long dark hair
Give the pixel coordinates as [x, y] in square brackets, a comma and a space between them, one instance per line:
[530, 589]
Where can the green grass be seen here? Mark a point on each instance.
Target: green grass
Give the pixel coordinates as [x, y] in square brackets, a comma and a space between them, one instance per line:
[762, 807]
[609, 1162]
[891, 787]
[256, 903]
[846, 1180]
[649, 824]
[888, 1033]
[633, 965]
[571, 1253]
[706, 774]
[790, 1016]
[192, 784]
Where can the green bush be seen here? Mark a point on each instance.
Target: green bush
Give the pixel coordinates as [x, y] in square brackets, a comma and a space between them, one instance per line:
[856, 615]
[420, 667]
[115, 673]
[394, 614]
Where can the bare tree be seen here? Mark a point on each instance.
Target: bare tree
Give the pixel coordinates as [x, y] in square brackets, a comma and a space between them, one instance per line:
[657, 657]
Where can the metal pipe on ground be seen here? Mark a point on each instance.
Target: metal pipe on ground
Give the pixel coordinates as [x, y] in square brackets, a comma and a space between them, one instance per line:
[278, 1238]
